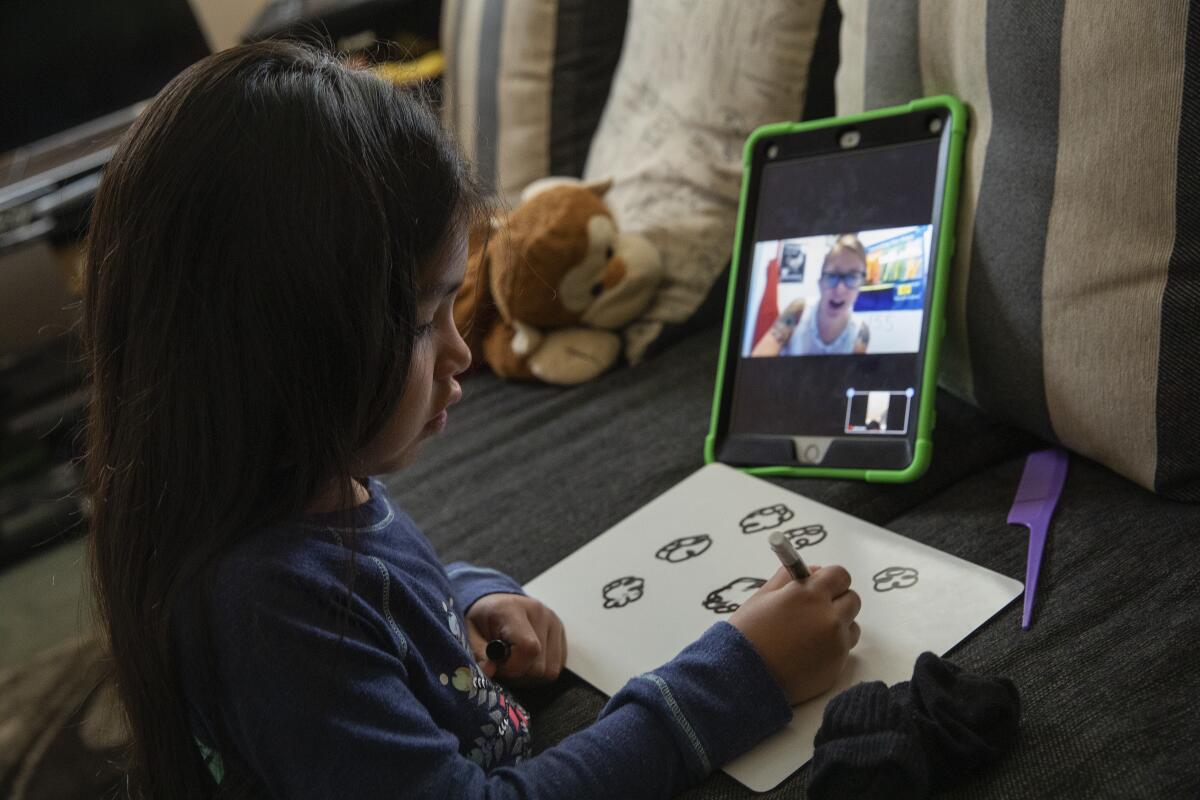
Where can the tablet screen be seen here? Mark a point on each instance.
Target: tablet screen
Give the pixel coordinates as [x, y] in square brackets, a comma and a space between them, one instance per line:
[835, 285]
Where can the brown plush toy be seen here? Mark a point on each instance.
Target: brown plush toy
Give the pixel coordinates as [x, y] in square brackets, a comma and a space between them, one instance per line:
[549, 286]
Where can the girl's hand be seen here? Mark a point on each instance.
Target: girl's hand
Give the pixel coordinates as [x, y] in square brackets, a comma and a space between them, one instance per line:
[539, 643]
[803, 630]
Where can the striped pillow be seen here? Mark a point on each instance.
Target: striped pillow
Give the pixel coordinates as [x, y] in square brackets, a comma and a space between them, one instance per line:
[1074, 304]
[525, 83]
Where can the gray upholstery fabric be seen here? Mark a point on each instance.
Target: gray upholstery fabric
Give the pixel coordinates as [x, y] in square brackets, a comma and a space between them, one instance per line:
[526, 474]
[1077, 217]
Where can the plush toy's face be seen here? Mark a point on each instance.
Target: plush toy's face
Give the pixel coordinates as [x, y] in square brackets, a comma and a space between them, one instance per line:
[599, 269]
[551, 284]
[628, 283]
[566, 263]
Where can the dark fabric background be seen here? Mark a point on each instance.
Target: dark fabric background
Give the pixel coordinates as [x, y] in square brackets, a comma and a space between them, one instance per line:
[1109, 678]
[588, 42]
[1004, 293]
[1178, 409]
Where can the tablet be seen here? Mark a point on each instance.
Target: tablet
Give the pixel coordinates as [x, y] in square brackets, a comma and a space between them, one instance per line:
[829, 355]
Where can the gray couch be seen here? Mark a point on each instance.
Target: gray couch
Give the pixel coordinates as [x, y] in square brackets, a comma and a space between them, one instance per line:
[1109, 674]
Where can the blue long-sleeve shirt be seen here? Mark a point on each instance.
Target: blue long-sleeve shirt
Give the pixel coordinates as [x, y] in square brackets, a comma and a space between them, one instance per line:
[308, 690]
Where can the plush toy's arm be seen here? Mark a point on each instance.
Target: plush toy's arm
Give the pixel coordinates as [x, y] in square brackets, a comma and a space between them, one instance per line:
[498, 350]
[574, 355]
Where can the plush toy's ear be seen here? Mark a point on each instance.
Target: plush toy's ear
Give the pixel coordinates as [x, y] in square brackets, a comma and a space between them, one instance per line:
[597, 187]
[474, 308]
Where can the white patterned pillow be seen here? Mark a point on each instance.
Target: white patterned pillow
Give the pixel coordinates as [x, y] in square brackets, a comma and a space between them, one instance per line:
[694, 79]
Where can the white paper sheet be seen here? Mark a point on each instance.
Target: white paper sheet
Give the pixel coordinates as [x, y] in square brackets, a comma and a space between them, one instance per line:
[935, 602]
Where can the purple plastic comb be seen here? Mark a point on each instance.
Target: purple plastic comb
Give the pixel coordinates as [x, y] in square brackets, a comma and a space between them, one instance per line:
[1037, 495]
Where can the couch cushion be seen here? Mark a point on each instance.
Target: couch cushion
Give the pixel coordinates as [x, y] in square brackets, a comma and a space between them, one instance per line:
[1074, 300]
[525, 83]
[693, 81]
[526, 474]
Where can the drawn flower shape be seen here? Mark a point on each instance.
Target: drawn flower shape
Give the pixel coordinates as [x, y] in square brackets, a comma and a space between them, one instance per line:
[623, 591]
[890, 578]
[684, 548]
[729, 598]
[806, 536]
[764, 518]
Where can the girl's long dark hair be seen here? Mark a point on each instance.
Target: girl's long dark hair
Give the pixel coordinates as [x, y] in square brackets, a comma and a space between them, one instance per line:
[252, 266]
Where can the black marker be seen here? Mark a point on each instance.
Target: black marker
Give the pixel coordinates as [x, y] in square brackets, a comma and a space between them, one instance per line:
[497, 650]
[788, 555]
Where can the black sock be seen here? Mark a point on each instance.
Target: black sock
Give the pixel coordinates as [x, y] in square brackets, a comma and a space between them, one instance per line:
[868, 746]
[965, 721]
[919, 736]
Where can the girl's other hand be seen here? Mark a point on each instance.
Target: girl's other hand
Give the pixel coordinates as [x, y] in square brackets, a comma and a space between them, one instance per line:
[539, 643]
[803, 630]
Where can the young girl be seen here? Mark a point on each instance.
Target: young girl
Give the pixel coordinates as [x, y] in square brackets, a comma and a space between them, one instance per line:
[272, 262]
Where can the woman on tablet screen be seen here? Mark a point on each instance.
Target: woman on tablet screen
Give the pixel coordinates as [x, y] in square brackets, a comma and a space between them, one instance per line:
[830, 326]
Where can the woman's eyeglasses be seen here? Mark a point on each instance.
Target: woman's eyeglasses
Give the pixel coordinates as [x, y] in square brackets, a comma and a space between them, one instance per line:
[852, 280]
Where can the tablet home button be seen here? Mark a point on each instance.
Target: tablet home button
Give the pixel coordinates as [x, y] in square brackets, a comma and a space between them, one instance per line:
[810, 449]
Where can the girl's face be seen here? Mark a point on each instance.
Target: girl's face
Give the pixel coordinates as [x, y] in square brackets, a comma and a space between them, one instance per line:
[439, 355]
[841, 278]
